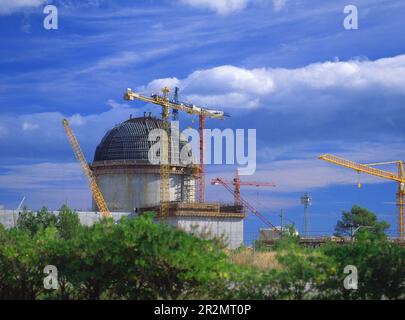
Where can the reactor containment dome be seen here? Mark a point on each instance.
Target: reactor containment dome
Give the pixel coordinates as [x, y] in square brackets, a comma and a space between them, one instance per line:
[126, 177]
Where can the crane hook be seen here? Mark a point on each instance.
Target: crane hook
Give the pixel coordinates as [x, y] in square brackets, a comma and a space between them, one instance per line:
[358, 181]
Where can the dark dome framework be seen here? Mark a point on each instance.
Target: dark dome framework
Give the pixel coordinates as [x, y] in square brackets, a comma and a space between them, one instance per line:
[129, 140]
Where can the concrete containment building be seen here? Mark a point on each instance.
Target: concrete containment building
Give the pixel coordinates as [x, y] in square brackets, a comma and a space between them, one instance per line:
[125, 176]
[131, 183]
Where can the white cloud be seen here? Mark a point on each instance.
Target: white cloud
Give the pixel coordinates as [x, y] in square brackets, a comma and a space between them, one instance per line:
[49, 184]
[116, 105]
[284, 89]
[27, 126]
[89, 130]
[11, 6]
[225, 7]
[3, 131]
[295, 169]
[157, 85]
[302, 92]
[222, 7]
[77, 120]
[124, 59]
[121, 60]
[303, 171]
[38, 176]
[299, 175]
[279, 4]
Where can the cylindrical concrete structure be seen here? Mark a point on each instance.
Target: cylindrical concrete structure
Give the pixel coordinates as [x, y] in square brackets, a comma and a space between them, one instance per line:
[125, 176]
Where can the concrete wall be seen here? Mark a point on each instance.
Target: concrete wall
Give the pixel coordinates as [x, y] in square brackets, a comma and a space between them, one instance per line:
[126, 192]
[230, 229]
[8, 218]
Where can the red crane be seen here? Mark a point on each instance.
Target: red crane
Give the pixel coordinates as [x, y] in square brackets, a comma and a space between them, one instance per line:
[239, 200]
[238, 183]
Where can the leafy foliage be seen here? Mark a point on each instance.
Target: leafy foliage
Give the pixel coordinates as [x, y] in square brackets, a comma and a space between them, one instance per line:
[139, 259]
[380, 265]
[360, 219]
[68, 223]
[134, 259]
[33, 222]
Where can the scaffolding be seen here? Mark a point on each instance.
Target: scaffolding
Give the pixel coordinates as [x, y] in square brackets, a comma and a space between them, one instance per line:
[210, 210]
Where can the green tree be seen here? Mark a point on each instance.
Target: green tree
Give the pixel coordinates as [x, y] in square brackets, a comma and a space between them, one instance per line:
[20, 265]
[380, 265]
[158, 261]
[68, 223]
[33, 222]
[249, 283]
[359, 220]
[305, 273]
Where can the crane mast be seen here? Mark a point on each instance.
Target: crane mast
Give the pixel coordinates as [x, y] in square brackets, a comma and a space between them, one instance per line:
[95, 190]
[237, 183]
[164, 163]
[201, 171]
[191, 109]
[398, 177]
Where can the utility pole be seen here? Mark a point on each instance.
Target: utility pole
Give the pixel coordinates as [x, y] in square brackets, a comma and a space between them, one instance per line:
[18, 209]
[306, 200]
[353, 232]
[282, 221]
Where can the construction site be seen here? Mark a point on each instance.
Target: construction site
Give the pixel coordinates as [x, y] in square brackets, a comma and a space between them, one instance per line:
[125, 179]
[122, 178]
[202, 150]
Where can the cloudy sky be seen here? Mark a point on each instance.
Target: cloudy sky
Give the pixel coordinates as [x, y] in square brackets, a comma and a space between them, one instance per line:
[284, 67]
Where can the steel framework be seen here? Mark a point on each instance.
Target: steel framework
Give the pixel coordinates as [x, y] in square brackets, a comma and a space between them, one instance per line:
[95, 190]
[398, 177]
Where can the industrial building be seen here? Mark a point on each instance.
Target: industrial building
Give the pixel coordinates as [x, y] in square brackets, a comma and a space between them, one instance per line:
[130, 183]
[127, 180]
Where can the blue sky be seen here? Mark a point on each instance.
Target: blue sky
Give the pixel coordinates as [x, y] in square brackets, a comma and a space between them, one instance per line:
[287, 68]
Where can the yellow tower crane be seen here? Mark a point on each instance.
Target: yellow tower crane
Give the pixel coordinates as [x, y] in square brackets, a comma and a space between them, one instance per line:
[164, 164]
[369, 169]
[95, 190]
[192, 109]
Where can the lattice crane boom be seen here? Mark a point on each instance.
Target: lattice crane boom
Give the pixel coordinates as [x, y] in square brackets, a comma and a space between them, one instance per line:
[191, 109]
[398, 177]
[364, 168]
[243, 202]
[175, 105]
[95, 190]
